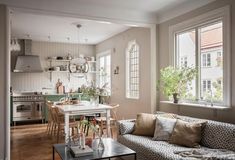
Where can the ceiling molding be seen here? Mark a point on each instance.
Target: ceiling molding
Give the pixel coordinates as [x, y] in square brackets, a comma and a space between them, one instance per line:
[186, 7]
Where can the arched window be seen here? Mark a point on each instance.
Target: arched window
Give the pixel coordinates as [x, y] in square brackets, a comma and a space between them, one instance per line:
[132, 70]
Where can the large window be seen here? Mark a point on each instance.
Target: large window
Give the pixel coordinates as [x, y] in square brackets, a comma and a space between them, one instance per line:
[132, 70]
[104, 70]
[205, 41]
[201, 45]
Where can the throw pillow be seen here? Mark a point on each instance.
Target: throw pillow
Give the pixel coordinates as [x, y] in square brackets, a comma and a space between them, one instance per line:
[186, 133]
[163, 128]
[144, 124]
[167, 115]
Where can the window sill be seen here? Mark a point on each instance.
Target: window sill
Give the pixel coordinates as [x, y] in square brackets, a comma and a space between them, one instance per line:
[197, 105]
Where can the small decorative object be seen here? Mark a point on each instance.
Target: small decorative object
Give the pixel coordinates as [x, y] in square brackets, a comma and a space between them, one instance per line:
[59, 87]
[78, 152]
[100, 144]
[69, 57]
[175, 81]
[69, 140]
[97, 143]
[116, 70]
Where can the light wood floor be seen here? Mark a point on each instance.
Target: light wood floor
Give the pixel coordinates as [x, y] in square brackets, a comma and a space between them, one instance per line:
[30, 142]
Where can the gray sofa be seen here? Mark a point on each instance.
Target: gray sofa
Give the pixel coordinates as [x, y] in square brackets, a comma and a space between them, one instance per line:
[215, 135]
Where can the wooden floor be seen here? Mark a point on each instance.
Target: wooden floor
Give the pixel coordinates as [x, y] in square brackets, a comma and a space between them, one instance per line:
[30, 142]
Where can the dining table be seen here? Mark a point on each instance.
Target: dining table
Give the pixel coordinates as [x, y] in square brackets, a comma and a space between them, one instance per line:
[83, 108]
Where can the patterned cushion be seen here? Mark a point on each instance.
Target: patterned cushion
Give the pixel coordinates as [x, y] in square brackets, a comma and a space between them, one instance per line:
[219, 135]
[126, 126]
[147, 149]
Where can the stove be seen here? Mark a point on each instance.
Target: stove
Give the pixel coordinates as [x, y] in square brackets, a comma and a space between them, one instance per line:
[28, 97]
[28, 106]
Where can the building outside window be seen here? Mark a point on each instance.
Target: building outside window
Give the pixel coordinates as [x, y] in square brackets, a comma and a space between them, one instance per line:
[201, 45]
[132, 70]
[184, 61]
[104, 70]
[206, 59]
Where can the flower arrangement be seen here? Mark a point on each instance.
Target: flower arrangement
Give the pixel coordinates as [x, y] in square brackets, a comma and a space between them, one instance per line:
[94, 91]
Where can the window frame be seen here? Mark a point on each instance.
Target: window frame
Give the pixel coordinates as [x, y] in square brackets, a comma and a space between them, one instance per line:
[220, 14]
[127, 68]
[99, 55]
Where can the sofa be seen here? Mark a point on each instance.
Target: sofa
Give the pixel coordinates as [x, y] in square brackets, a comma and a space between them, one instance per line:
[215, 136]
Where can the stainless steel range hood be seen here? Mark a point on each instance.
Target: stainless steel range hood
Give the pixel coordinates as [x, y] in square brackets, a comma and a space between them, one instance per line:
[27, 62]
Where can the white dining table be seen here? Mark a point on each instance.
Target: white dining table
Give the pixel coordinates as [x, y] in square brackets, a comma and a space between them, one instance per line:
[83, 108]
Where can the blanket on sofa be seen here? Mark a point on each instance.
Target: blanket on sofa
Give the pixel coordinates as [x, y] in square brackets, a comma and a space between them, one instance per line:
[208, 154]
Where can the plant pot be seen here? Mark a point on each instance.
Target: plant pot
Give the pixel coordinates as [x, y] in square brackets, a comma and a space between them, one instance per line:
[175, 97]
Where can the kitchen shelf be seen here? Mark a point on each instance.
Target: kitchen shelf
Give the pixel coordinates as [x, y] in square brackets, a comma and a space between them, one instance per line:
[58, 71]
[92, 65]
[58, 60]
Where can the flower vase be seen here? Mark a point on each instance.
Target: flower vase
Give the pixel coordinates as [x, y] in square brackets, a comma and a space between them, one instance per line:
[94, 101]
[100, 145]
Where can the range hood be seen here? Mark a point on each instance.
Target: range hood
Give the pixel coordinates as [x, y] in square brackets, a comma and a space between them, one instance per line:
[27, 62]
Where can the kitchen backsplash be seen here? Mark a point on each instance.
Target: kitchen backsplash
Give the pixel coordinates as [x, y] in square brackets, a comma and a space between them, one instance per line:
[41, 81]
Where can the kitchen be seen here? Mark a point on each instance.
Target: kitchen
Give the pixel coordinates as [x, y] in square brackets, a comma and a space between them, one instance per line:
[52, 56]
[46, 64]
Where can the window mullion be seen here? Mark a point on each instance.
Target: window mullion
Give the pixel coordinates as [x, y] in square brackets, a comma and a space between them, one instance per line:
[198, 64]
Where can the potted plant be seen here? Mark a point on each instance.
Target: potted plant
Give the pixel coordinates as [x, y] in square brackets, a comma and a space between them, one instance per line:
[175, 81]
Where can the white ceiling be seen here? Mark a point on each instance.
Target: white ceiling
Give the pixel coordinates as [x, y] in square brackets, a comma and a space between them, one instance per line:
[135, 11]
[62, 29]
[47, 17]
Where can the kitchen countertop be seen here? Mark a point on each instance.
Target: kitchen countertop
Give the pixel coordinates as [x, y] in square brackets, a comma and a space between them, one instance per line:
[57, 94]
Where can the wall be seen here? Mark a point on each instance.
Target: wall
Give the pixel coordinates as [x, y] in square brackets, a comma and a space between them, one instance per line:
[129, 107]
[36, 81]
[4, 82]
[226, 116]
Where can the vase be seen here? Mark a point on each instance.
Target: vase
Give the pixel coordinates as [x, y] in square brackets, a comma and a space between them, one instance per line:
[175, 97]
[94, 101]
[100, 145]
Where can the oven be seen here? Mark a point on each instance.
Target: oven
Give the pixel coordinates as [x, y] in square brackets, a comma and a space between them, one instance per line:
[23, 111]
[28, 107]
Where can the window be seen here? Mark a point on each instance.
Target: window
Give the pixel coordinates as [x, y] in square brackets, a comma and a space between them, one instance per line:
[132, 70]
[184, 62]
[207, 48]
[104, 70]
[206, 60]
[206, 86]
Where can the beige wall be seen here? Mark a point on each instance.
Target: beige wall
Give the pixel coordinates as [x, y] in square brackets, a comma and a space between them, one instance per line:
[228, 115]
[36, 81]
[4, 82]
[129, 107]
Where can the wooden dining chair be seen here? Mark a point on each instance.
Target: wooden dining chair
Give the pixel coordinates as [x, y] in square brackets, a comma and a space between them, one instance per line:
[59, 124]
[113, 119]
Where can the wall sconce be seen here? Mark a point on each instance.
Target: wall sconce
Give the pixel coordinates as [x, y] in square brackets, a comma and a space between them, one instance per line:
[116, 70]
